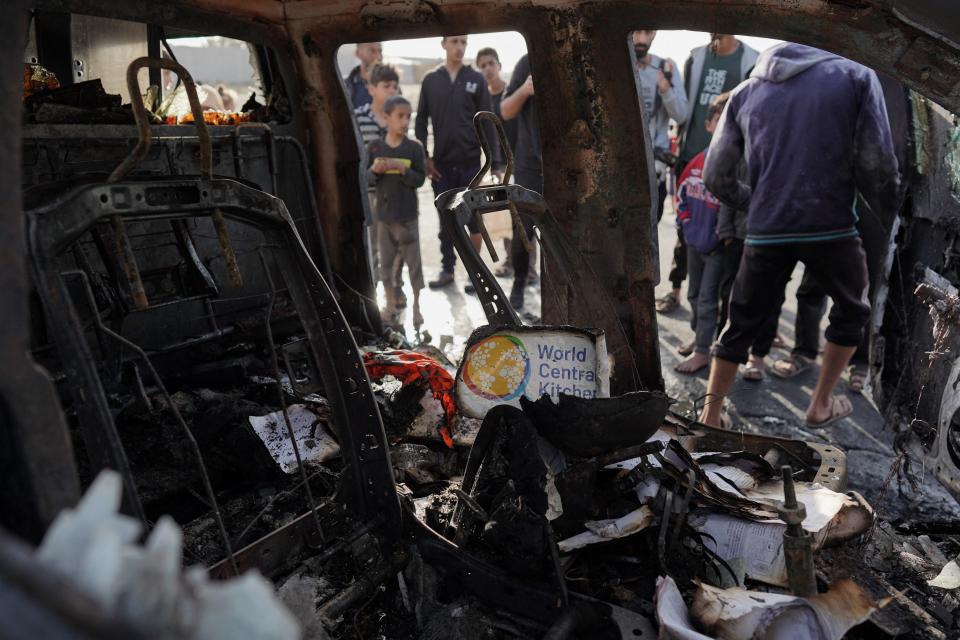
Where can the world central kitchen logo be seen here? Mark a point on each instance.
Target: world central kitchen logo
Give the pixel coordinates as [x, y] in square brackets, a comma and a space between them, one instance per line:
[499, 368]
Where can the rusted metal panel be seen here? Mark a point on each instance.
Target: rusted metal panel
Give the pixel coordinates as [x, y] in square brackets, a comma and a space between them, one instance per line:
[101, 46]
[592, 131]
[39, 476]
[335, 144]
[925, 61]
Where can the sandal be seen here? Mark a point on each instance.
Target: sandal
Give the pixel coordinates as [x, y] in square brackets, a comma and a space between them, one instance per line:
[840, 408]
[668, 303]
[857, 380]
[778, 343]
[726, 422]
[390, 317]
[791, 367]
[753, 373]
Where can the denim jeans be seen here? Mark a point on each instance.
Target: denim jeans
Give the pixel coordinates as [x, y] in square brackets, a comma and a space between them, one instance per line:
[705, 272]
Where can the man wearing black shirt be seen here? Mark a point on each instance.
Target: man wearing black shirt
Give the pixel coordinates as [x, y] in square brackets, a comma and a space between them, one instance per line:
[488, 62]
[450, 96]
[520, 103]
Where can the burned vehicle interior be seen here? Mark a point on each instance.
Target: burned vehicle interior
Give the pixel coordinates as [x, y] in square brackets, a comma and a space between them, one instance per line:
[192, 338]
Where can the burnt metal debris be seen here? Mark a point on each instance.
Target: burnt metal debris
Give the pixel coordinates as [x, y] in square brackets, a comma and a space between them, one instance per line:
[797, 543]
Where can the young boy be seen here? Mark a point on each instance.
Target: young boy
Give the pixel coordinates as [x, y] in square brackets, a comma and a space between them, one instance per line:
[396, 167]
[383, 82]
[697, 213]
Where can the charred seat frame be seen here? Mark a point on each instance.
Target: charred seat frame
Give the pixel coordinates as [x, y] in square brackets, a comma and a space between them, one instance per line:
[56, 225]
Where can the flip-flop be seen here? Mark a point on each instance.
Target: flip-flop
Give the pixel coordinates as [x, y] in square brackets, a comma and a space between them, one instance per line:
[798, 364]
[837, 412]
[753, 373]
[667, 304]
[857, 380]
[726, 422]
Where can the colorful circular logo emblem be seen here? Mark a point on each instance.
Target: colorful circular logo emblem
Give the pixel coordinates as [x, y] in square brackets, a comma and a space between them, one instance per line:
[497, 368]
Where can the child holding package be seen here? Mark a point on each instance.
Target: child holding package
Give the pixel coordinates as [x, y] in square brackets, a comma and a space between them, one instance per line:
[396, 168]
[697, 213]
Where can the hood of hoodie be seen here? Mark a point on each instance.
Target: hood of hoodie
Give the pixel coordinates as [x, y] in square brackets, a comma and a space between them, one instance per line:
[784, 61]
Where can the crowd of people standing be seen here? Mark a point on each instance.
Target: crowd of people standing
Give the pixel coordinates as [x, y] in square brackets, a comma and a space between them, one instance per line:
[450, 96]
[770, 158]
[776, 157]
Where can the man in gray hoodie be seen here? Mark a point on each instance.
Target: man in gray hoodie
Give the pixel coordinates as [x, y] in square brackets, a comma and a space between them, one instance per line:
[813, 129]
[660, 89]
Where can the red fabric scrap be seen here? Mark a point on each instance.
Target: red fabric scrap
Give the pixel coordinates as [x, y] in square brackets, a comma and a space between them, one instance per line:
[410, 367]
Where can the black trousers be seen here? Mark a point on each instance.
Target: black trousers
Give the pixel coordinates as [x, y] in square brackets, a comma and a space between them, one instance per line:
[812, 299]
[451, 177]
[732, 253]
[758, 291]
[518, 253]
[678, 267]
[811, 305]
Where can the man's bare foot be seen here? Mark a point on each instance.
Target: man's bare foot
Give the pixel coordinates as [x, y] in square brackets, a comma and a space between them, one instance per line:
[836, 408]
[694, 363]
[417, 316]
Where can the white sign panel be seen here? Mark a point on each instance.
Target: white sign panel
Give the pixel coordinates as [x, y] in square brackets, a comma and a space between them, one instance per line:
[499, 366]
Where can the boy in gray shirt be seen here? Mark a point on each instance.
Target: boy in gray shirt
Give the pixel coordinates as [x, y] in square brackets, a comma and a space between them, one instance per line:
[396, 168]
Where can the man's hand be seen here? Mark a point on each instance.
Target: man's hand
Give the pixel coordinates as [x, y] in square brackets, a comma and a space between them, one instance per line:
[379, 165]
[727, 242]
[527, 87]
[432, 173]
[663, 85]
